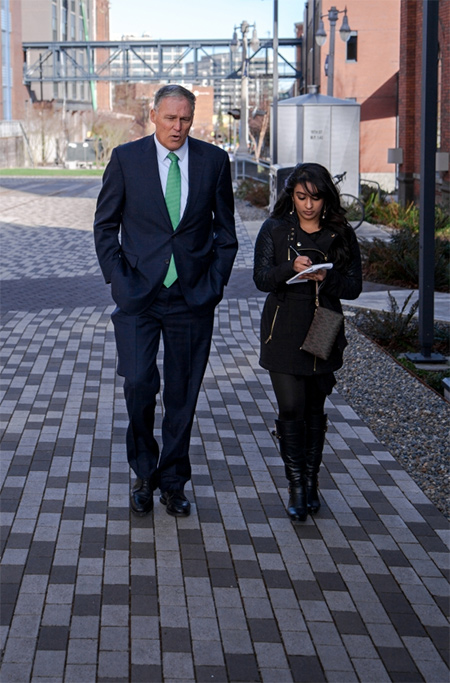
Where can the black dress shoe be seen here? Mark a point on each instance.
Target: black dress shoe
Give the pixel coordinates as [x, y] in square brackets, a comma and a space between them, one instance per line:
[141, 497]
[176, 503]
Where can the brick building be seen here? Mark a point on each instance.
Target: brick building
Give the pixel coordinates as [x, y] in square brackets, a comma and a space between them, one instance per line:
[37, 122]
[49, 20]
[135, 100]
[409, 92]
[104, 95]
[67, 21]
[365, 71]
[12, 91]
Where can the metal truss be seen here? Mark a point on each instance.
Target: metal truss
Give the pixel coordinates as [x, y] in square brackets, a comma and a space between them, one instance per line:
[152, 61]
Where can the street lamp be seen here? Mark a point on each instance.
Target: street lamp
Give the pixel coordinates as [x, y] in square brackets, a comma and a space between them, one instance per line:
[321, 37]
[254, 43]
[85, 146]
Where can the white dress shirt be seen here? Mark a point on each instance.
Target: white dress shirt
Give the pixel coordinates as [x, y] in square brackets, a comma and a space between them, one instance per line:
[183, 163]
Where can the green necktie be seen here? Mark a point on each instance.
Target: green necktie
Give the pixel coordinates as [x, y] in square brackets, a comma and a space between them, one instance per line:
[173, 200]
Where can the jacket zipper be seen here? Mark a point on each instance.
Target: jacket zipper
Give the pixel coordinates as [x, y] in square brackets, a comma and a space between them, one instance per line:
[317, 306]
[317, 296]
[272, 325]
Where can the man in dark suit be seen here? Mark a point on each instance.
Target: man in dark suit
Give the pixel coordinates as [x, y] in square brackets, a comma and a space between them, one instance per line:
[170, 198]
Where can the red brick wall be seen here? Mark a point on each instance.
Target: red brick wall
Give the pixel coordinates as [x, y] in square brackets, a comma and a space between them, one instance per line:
[102, 33]
[410, 96]
[407, 82]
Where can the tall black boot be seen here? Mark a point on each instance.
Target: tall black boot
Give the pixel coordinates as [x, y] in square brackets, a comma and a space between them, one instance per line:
[292, 448]
[316, 427]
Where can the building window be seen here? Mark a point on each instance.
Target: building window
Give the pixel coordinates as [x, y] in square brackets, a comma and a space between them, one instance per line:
[7, 73]
[352, 47]
[64, 23]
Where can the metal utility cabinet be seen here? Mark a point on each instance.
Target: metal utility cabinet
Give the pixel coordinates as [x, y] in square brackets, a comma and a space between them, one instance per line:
[321, 129]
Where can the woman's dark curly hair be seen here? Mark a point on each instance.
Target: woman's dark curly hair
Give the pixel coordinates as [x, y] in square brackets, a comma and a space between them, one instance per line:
[318, 178]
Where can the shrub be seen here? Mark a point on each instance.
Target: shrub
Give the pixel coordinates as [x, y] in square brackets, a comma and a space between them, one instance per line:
[442, 221]
[393, 328]
[379, 209]
[397, 331]
[397, 261]
[369, 193]
[253, 191]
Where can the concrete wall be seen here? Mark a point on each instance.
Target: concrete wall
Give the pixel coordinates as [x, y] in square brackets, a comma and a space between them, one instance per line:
[12, 153]
[37, 26]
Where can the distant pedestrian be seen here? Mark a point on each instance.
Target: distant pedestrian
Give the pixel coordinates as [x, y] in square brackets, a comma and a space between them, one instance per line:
[165, 238]
[307, 226]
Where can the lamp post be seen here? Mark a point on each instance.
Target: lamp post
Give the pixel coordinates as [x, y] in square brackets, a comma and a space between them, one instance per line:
[321, 37]
[85, 146]
[243, 122]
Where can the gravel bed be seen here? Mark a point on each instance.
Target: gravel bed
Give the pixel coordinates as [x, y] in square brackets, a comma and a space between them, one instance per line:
[247, 212]
[403, 413]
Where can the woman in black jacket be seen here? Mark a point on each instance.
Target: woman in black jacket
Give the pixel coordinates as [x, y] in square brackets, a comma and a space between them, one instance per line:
[307, 226]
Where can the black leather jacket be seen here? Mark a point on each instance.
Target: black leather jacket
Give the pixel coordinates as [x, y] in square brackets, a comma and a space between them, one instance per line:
[274, 259]
[289, 309]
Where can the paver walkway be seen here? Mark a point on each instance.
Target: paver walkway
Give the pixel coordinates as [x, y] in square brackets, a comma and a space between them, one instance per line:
[234, 593]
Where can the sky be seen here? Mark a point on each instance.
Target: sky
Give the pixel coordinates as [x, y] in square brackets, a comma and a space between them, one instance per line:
[178, 19]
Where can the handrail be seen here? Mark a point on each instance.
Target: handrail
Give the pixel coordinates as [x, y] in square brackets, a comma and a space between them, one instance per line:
[246, 166]
[369, 180]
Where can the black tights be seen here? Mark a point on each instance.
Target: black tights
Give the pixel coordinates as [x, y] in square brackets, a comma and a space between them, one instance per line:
[297, 396]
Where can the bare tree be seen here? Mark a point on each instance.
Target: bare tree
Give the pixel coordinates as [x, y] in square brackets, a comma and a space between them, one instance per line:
[111, 131]
[43, 128]
[259, 124]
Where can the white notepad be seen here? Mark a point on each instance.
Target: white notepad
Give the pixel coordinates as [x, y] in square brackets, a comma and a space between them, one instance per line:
[312, 269]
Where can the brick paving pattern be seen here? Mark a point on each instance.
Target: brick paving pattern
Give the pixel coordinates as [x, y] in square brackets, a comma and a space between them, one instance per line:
[235, 592]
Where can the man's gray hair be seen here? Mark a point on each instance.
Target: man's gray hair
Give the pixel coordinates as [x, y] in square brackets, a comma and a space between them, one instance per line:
[174, 91]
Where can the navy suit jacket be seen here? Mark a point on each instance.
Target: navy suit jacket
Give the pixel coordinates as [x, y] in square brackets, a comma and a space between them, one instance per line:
[134, 237]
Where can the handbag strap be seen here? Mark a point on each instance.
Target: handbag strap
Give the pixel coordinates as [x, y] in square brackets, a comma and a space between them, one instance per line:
[317, 294]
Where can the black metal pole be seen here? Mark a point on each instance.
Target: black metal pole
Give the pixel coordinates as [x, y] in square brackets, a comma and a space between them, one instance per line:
[275, 85]
[305, 47]
[41, 71]
[428, 141]
[313, 71]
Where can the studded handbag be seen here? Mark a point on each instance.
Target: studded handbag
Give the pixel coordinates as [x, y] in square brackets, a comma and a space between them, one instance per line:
[323, 330]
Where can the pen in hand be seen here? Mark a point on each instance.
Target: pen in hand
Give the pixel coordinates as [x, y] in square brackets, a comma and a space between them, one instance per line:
[306, 265]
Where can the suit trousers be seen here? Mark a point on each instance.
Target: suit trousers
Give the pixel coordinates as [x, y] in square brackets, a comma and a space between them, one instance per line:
[186, 341]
